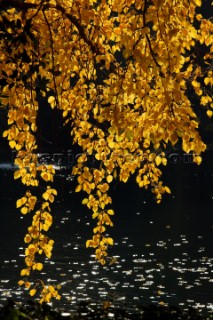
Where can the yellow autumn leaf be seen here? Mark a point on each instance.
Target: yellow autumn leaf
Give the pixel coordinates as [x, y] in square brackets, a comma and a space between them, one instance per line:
[198, 3]
[31, 202]
[45, 195]
[27, 238]
[95, 215]
[109, 241]
[89, 243]
[21, 202]
[206, 81]
[99, 229]
[27, 284]
[52, 101]
[12, 144]
[39, 266]
[197, 159]
[209, 113]
[158, 160]
[5, 134]
[25, 272]
[164, 161]
[110, 212]
[84, 201]
[51, 198]
[51, 288]
[21, 282]
[45, 227]
[78, 188]
[46, 176]
[24, 210]
[167, 189]
[54, 191]
[109, 178]
[32, 292]
[17, 174]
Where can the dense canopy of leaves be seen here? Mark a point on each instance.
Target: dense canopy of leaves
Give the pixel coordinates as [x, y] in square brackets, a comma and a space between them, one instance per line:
[120, 72]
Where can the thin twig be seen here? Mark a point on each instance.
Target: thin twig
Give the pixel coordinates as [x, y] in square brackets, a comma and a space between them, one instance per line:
[147, 38]
[53, 61]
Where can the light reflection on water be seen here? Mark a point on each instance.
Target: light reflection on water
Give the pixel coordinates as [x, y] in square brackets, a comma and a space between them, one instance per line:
[142, 274]
[173, 270]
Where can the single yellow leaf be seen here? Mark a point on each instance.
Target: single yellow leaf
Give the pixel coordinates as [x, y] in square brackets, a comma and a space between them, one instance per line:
[21, 282]
[110, 211]
[84, 201]
[54, 192]
[52, 101]
[5, 133]
[109, 178]
[27, 284]
[32, 202]
[24, 210]
[198, 3]
[109, 241]
[198, 160]
[167, 189]
[164, 161]
[89, 243]
[39, 266]
[158, 160]
[12, 144]
[32, 292]
[46, 176]
[17, 174]
[78, 188]
[51, 198]
[27, 238]
[21, 202]
[206, 81]
[95, 214]
[45, 227]
[45, 195]
[209, 113]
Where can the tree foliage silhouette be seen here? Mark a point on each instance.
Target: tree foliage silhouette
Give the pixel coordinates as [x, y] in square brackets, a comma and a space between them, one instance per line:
[119, 71]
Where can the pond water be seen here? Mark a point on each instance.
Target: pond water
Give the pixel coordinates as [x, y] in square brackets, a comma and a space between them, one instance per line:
[162, 253]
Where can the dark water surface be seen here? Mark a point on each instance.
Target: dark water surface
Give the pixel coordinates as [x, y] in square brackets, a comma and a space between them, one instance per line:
[163, 253]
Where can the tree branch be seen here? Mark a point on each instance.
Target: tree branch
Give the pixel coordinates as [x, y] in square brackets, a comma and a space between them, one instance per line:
[147, 37]
[17, 4]
[80, 29]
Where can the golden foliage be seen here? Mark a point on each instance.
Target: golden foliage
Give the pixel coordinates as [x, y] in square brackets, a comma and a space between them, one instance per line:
[119, 72]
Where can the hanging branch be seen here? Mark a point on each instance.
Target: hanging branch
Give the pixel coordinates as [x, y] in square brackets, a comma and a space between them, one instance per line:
[148, 40]
[52, 56]
[80, 29]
